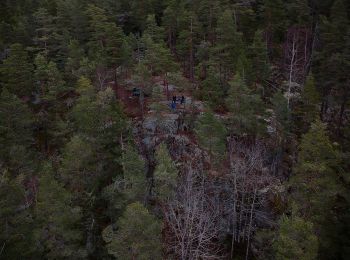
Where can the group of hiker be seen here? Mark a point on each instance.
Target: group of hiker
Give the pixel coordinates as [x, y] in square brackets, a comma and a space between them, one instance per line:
[175, 100]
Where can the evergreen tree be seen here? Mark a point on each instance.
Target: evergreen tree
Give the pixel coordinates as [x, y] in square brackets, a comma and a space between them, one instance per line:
[189, 38]
[211, 134]
[315, 174]
[138, 235]
[282, 114]
[211, 90]
[229, 44]
[134, 173]
[78, 165]
[260, 62]
[299, 12]
[73, 64]
[50, 101]
[275, 19]
[153, 30]
[310, 99]
[45, 33]
[16, 125]
[246, 108]
[16, 235]
[57, 221]
[296, 239]
[85, 111]
[160, 60]
[128, 187]
[16, 72]
[317, 187]
[143, 78]
[114, 43]
[165, 173]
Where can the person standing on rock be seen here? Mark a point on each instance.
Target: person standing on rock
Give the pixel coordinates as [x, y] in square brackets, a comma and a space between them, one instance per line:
[173, 106]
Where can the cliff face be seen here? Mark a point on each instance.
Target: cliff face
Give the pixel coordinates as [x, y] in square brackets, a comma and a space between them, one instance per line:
[173, 129]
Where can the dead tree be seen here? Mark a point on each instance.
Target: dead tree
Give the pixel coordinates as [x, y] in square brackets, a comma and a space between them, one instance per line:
[249, 180]
[297, 55]
[207, 209]
[192, 220]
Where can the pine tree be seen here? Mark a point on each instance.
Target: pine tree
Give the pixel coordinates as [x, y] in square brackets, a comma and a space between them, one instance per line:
[160, 60]
[128, 187]
[275, 19]
[85, 111]
[340, 24]
[114, 43]
[134, 173]
[170, 21]
[111, 125]
[310, 99]
[138, 235]
[228, 45]
[143, 78]
[16, 227]
[16, 123]
[189, 37]
[153, 30]
[260, 62]
[50, 103]
[78, 162]
[246, 108]
[299, 12]
[57, 221]
[45, 33]
[315, 173]
[165, 173]
[73, 63]
[211, 134]
[296, 239]
[282, 114]
[16, 72]
[211, 90]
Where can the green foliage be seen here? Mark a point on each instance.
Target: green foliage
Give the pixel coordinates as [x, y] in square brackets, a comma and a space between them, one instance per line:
[310, 101]
[211, 90]
[260, 61]
[16, 138]
[159, 58]
[246, 109]
[165, 173]
[275, 19]
[296, 239]
[153, 30]
[211, 134]
[46, 32]
[15, 219]
[16, 72]
[137, 237]
[317, 153]
[134, 174]
[58, 232]
[85, 111]
[229, 43]
[142, 77]
[58, 58]
[282, 113]
[77, 162]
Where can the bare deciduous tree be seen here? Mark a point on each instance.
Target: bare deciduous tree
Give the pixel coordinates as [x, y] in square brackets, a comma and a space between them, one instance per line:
[192, 220]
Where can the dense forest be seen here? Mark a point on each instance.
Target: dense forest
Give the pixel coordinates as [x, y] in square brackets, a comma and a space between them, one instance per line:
[175, 129]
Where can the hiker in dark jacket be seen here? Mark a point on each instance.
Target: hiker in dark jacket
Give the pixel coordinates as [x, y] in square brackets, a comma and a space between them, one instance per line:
[182, 100]
[174, 99]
